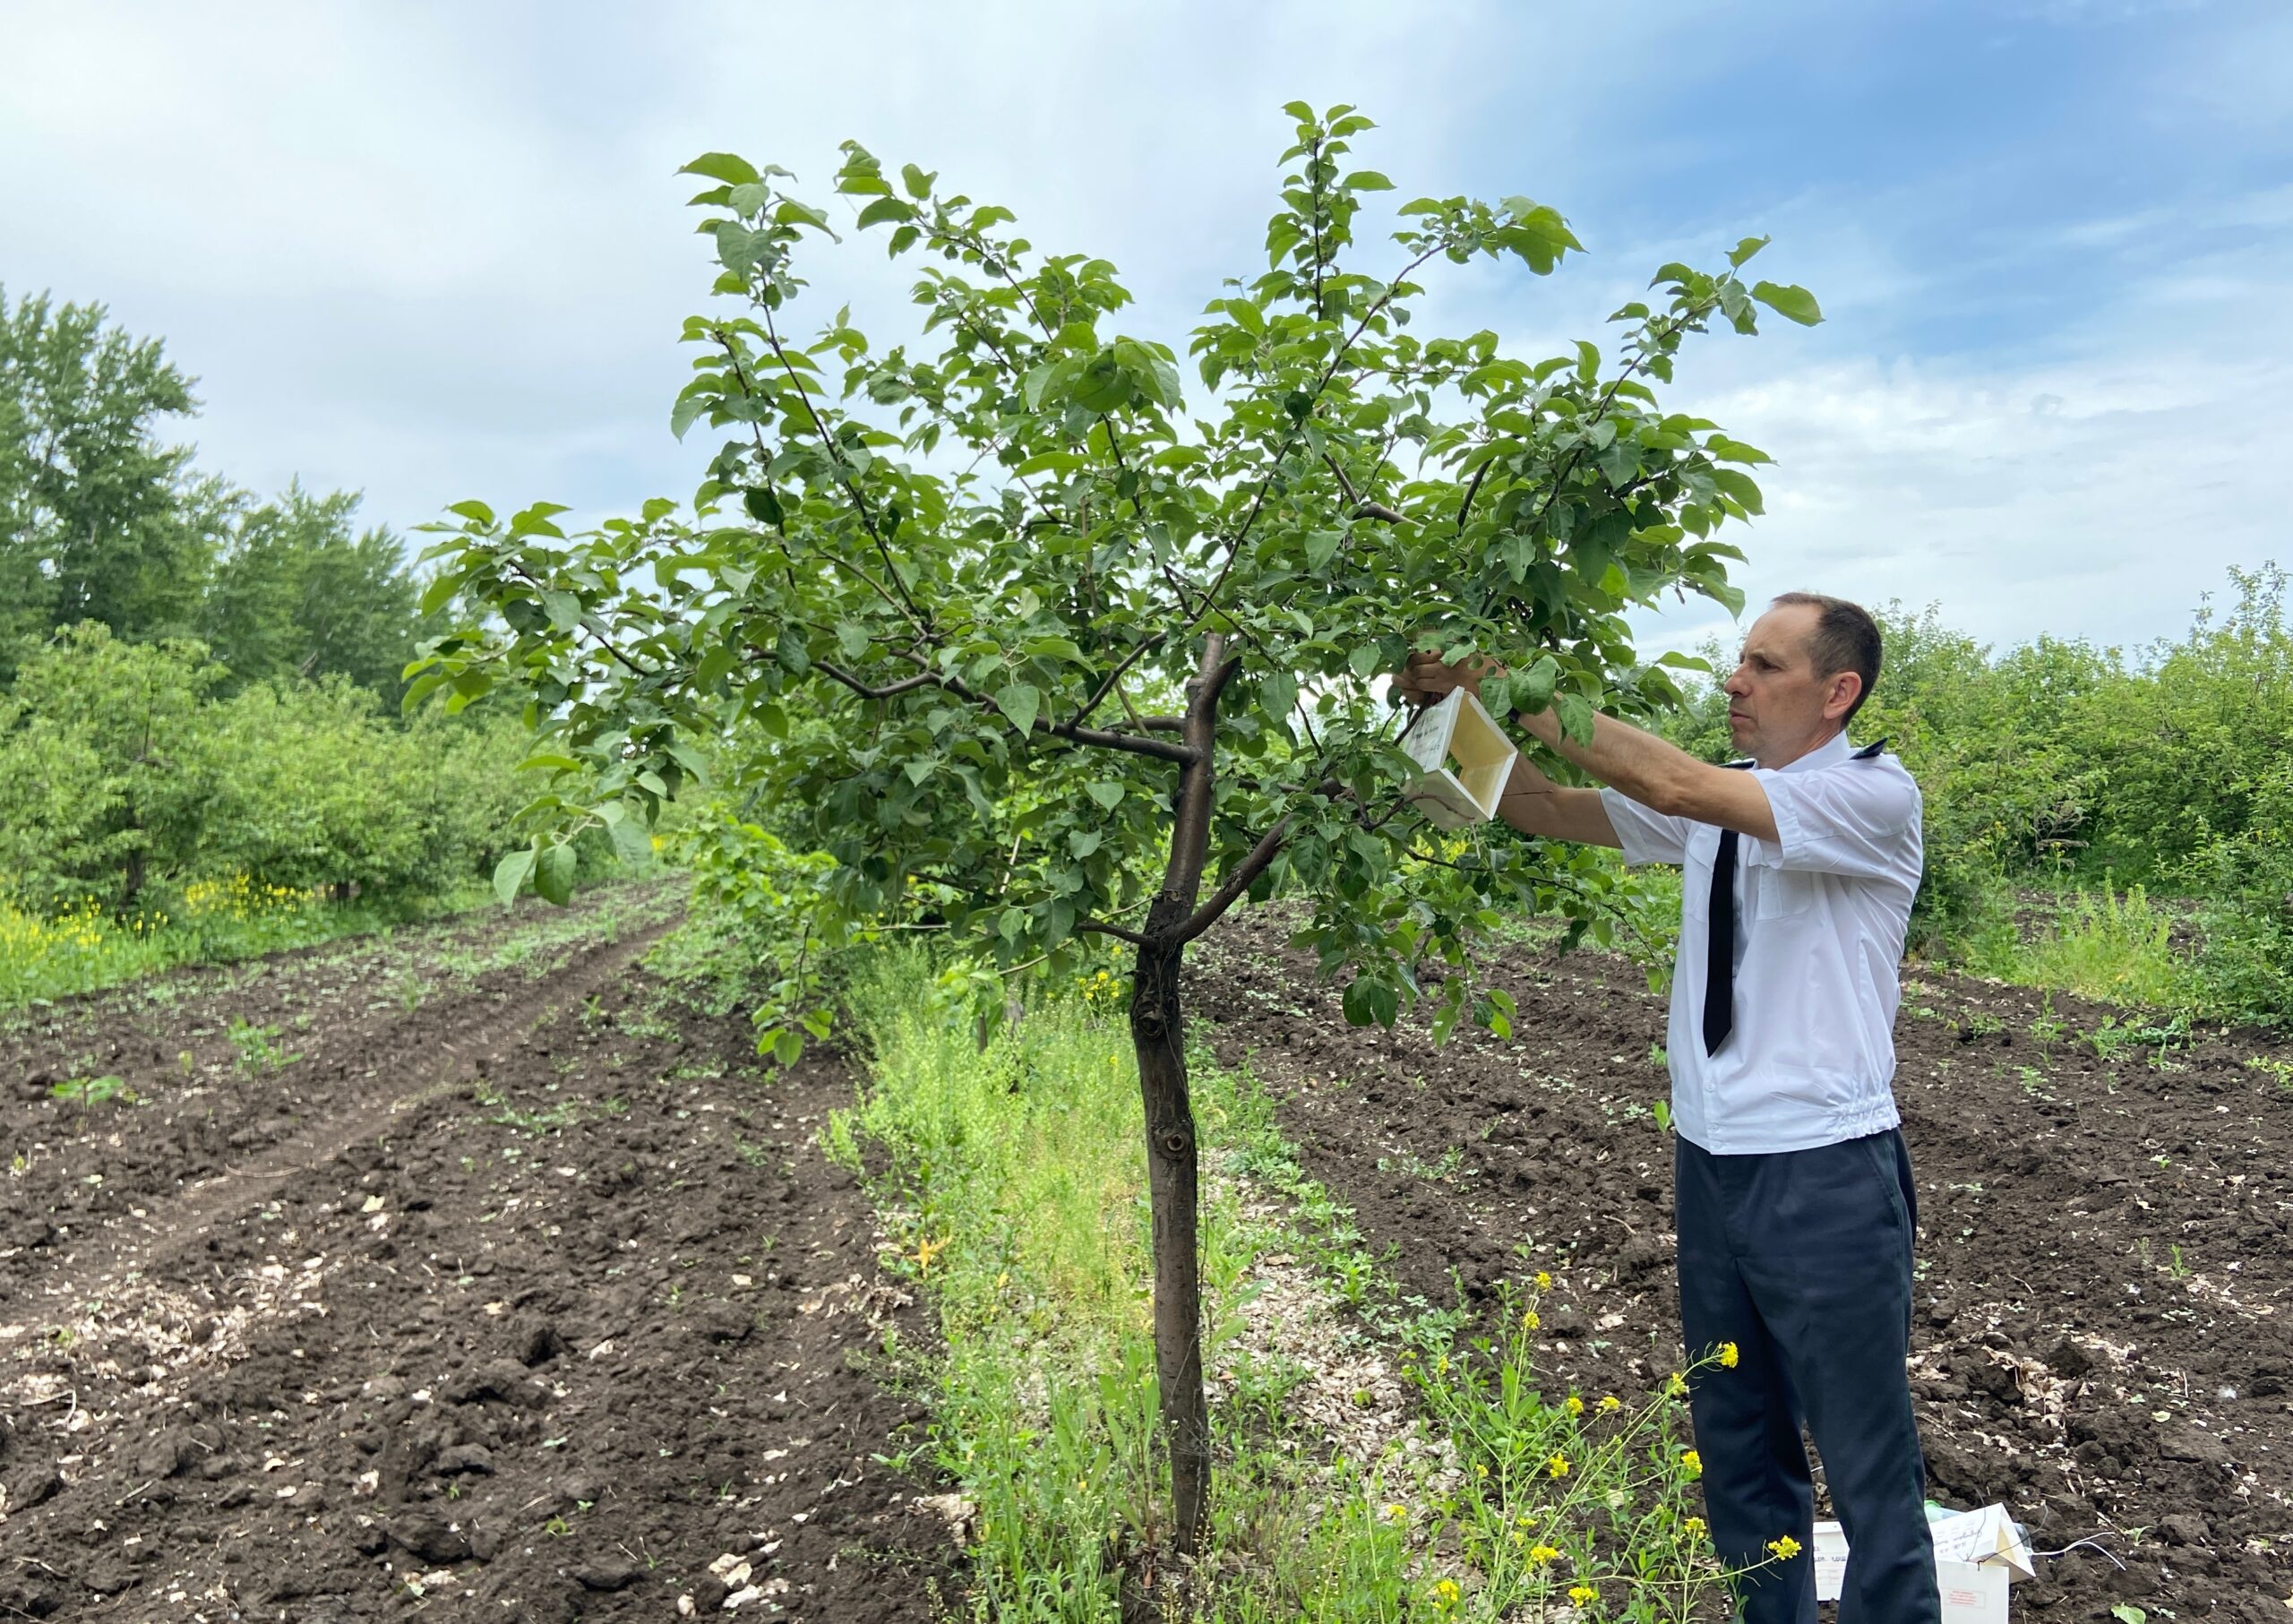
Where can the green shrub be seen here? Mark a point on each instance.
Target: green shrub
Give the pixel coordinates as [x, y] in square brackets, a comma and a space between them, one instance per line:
[2245, 970]
[126, 777]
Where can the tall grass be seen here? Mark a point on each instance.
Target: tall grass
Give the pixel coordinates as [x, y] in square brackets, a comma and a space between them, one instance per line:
[2109, 945]
[85, 949]
[1012, 1178]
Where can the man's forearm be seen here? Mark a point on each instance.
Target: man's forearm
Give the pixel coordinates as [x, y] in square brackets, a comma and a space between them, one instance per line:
[1561, 814]
[1639, 764]
[1534, 804]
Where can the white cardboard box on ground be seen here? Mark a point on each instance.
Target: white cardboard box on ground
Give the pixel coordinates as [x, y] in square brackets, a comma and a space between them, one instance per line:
[1977, 1555]
[1466, 757]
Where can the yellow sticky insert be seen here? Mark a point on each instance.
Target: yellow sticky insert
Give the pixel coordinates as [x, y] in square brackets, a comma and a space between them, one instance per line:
[1466, 757]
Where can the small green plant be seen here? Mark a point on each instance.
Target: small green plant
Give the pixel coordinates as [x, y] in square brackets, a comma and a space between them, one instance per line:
[2282, 1070]
[90, 1091]
[1662, 1110]
[2110, 1039]
[2047, 1030]
[258, 1048]
[2177, 1268]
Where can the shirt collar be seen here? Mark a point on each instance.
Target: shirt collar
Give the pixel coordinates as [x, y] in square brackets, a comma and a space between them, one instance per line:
[1831, 752]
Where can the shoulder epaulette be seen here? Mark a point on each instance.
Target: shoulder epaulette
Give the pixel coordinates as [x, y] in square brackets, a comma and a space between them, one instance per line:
[1869, 753]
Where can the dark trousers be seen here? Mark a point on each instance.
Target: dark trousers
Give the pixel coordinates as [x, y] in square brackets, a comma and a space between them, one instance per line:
[1803, 1260]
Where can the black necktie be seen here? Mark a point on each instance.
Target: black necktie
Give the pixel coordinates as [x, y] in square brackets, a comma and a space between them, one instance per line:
[1720, 939]
[1720, 949]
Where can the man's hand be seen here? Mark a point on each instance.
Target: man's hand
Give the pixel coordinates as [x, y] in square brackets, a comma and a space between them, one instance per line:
[1426, 681]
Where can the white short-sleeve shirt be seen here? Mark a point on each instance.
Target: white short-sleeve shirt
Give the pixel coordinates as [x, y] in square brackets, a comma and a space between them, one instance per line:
[1821, 916]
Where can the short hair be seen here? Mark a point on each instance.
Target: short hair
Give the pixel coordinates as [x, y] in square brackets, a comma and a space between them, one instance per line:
[1845, 638]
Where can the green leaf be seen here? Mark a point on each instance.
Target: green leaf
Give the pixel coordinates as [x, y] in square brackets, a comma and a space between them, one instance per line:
[1321, 546]
[440, 592]
[1020, 701]
[1792, 303]
[632, 841]
[1108, 795]
[1725, 450]
[565, 610]
[553, 874]
[918, 183]
[510, 874]
[1367, 180]
[763, 506]
[475, 511]
[1746, 248]
[722, 165]
[688, 411]
[884, 209]
[1532, 687]
[1738, 484]
[1278, 692]
[2126, 1612]
[1576, 719]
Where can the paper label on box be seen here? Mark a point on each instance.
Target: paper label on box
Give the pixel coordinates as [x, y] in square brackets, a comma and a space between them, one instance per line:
[1973, 1593]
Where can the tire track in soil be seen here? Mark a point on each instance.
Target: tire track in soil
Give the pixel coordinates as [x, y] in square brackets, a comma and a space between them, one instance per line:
[542, 1304]
[2065, 1360]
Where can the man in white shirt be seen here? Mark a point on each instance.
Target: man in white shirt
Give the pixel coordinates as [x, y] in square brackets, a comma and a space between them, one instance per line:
[1796, 1211]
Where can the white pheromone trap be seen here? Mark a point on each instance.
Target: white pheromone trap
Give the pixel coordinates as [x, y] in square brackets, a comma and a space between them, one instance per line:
[1466, 757]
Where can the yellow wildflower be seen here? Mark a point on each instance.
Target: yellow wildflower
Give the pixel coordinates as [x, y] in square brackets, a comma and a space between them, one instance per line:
[1582, 1594]
[1573, 1404]
[1612, 1405]
[1676, 1384]
[1445, 1593]
[1479, 1470]
[1558, 1467]
[1693, 1526]
[1728, 1355]
[1441, 1365]
[1396, 1513]
[1529, 1321]
[1542, 1554]
[1544, 1281]
[1692, 1463]
[1785, 1549]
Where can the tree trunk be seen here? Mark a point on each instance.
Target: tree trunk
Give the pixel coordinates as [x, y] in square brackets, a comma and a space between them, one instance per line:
[1159, 1034]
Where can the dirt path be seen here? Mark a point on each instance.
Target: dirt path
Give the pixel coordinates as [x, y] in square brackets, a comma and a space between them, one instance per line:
[2105, 1333]
[465, 1269]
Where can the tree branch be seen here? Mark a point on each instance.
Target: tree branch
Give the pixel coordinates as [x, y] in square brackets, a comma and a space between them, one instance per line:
[1099, 738]
[906, 684]
[1100, 927]
[843, 472]
[1237, 882]
[1106, 686]
[1362, 505]
[1258, 503]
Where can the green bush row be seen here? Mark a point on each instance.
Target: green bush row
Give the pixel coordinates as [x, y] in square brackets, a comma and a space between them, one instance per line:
[127, 776]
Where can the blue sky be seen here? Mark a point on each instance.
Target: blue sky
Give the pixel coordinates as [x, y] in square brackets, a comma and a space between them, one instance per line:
[435, 252]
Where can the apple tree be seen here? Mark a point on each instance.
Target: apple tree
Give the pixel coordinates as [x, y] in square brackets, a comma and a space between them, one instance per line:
[932, 589]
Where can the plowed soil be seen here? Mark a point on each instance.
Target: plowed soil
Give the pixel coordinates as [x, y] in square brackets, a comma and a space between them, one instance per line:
[2104, 1338]
[464, 1273]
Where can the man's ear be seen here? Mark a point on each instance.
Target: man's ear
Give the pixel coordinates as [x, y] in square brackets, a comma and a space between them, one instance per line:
[1843, 690]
